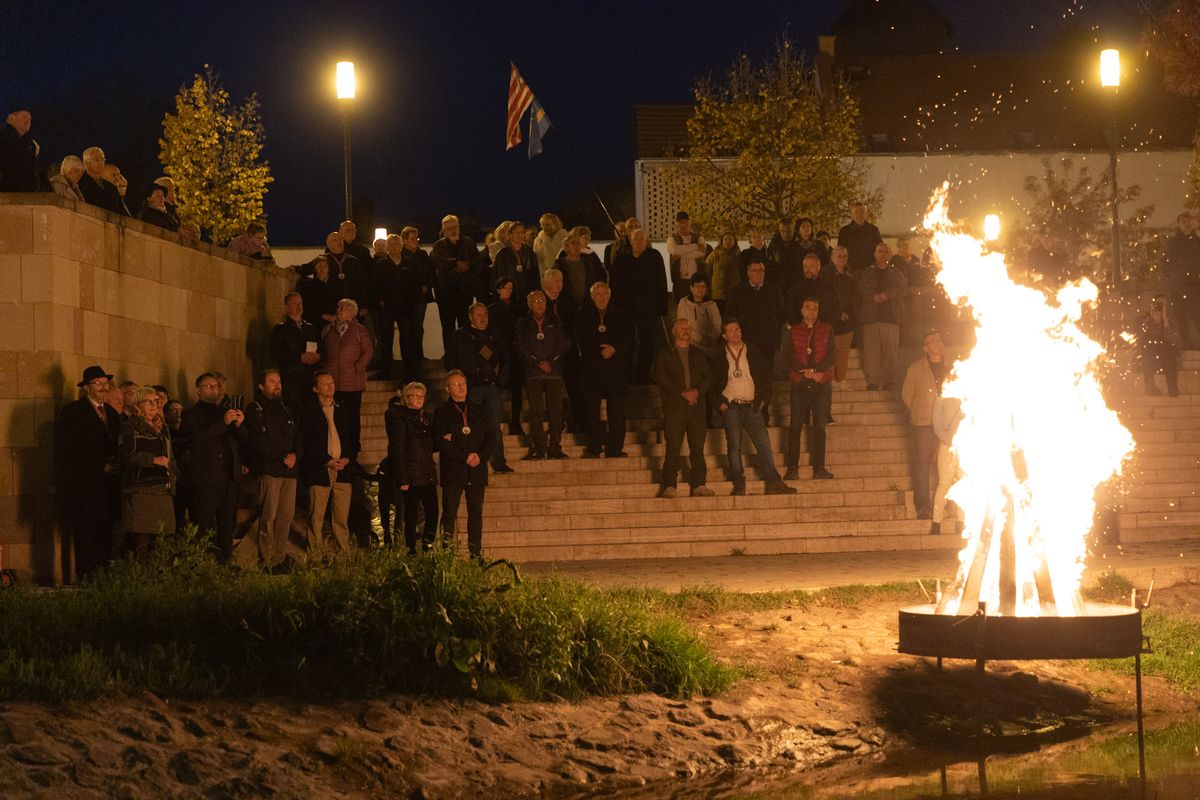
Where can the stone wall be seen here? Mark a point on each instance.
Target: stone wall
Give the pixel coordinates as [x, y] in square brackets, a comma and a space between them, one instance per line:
[80, 286]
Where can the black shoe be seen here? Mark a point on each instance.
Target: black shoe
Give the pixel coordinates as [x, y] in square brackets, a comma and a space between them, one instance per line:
[590, 454]
[924, 513]
[533, 455]
[779, 488]
[739, 489]
[618, 454]
[830, 420]
[935, 528]
[871, 387]
[821, 474]
[792, 474]
[503, 469]
[514, 429]
[557, 455]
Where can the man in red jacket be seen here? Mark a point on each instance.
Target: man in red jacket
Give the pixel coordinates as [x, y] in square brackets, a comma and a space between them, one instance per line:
[811, 374]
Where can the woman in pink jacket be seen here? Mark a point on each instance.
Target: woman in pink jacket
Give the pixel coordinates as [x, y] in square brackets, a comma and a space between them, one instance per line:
[346, 349]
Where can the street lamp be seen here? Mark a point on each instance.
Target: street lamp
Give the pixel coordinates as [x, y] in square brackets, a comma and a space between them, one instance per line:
[346, 86]
[1110, 78]
[991, 227]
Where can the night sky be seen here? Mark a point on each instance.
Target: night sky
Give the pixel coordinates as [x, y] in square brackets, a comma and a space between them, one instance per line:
[428, 129]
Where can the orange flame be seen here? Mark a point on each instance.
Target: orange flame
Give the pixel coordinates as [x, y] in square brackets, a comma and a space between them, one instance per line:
[1036, 437]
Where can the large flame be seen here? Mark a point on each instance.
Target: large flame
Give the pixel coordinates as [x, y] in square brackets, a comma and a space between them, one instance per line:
[1036, 438]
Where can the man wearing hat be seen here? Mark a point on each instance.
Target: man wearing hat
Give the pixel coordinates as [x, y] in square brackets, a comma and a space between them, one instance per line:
[18, 153]
[687, 256]
[922, 386]
[85, 446]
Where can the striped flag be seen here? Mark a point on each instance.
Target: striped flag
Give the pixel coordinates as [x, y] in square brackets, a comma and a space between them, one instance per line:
[539, 123]
[519, 98]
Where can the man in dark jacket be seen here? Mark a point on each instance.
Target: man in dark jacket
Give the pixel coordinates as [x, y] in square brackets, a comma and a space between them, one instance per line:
[294, 346]
[18, 153]
[605, 337]
[542, 344]
[347, 270]
[846, 288]
[96, 190]
[457, 262]
[416, 263]
[329, 448]
[1182, 267]
[859, 237]
[398, 293]
[216, 433]
[881, 289]
[464, 436]
[759, 306]
[741, 390]
[788, 253]
[639, 288]
[684, 380]
[85, 447]
[274, 450]
[484, 359]
[813, 283]
[757, 252]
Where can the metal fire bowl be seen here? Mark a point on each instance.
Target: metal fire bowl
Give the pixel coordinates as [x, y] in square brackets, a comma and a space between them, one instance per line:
[1104, 631]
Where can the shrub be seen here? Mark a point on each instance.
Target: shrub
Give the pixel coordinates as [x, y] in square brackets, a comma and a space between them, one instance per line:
[180, 624]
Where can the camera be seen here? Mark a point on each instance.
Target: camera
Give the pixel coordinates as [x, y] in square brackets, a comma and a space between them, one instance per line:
[235, 402]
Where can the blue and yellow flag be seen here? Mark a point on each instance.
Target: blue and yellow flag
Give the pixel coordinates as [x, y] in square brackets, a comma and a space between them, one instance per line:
[539, 123]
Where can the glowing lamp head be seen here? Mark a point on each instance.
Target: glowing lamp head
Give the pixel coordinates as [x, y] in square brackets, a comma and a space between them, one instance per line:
[345, 80]
[380, 233]
[1110, 68]
[991, 227]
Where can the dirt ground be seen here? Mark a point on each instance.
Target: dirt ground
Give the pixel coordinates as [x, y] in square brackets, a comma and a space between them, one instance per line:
[823, 685]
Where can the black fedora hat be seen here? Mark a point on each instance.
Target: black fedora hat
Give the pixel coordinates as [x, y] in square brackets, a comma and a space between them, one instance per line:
[91, 373]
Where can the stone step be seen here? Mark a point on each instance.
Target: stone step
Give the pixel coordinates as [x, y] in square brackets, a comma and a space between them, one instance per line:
[1165, 489]
[521, 479]
[1158, 519]
[501, 491]
[1159, 533]
[654, 505]
[1150, 505]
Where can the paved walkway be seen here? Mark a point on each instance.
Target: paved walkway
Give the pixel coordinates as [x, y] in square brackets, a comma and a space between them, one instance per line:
[1164, 562]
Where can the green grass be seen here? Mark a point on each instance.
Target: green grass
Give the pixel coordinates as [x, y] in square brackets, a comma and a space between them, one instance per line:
[701, 601]
[180, 625]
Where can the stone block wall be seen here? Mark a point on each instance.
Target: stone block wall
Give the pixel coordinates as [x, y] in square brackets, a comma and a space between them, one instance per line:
[80, 286]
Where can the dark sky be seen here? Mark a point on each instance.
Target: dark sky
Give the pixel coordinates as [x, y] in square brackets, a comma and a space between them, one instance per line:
[428, 127]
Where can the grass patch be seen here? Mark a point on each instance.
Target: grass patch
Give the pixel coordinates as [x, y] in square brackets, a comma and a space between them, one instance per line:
[178, 624]
[702, 601]
[1175, 640]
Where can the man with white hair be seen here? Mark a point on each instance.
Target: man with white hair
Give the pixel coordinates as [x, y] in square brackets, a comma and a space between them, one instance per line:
[457, 261]
[96, 190]
[18, 153]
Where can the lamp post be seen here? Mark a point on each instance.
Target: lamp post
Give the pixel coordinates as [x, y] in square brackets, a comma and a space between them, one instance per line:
[991, 227]
[1110, 78]
[345, 93]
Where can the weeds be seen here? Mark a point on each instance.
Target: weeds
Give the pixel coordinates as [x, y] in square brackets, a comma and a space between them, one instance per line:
[179, 624]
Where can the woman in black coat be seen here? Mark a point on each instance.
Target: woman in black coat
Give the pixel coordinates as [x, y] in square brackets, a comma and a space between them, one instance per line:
[410, 456]
[149, 473]
[502, 320]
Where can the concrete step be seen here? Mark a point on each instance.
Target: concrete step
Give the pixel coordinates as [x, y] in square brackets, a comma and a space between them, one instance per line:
[1159, 533]
[500, 491]
[1160, 505]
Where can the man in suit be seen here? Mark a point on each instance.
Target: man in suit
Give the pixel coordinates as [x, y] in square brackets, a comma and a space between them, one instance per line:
[464, 435]
[605, 336]
[85, 470]
[96, 190]
[684, 381]
[216, 432]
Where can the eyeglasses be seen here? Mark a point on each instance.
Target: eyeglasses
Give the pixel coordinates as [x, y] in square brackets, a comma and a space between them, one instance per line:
[209, 386]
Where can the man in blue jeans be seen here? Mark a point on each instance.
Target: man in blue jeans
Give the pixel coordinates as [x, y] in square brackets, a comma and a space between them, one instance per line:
[741, 389]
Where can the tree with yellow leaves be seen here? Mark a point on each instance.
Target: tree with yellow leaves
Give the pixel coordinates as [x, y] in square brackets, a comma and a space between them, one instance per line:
[211, 148]
[768, 142]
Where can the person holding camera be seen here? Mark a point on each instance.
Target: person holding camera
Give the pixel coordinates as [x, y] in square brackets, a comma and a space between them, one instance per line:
[149, 473]
[1159, 348]
[214, 429]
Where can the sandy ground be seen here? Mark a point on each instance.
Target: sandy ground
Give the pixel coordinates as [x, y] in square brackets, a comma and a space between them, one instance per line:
[824, 685]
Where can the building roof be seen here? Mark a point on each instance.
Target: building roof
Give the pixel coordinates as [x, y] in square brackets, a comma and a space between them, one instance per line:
[984, 103]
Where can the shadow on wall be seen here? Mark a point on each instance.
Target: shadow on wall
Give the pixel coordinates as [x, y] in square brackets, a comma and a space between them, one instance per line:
[258, 338]
[34, 478]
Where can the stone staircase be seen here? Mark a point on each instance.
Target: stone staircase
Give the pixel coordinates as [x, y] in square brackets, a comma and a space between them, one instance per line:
[581, 509]
[1156, 499]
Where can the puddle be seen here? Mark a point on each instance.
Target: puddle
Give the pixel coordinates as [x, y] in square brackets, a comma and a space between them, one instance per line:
[1101, 767]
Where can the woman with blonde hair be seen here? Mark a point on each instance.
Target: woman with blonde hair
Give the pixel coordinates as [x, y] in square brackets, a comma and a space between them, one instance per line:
[410, 459]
